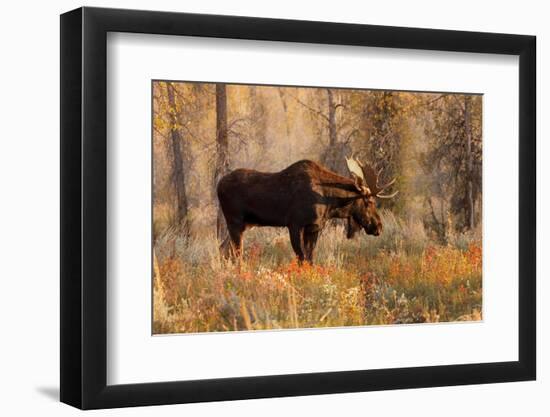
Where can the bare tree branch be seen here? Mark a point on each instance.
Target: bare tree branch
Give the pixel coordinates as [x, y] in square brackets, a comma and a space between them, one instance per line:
[316, 111]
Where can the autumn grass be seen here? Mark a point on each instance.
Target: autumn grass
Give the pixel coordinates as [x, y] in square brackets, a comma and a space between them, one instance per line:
[400, 277]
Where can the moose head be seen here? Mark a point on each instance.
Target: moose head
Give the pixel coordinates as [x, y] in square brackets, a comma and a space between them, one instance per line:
[363, 213]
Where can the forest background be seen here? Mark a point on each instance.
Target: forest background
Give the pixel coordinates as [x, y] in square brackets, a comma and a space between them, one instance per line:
[426, 266]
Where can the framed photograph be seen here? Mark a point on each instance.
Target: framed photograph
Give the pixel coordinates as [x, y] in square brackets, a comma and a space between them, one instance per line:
[257, 208]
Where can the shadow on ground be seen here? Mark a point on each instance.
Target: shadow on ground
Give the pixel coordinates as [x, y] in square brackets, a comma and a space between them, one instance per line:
[50, 392]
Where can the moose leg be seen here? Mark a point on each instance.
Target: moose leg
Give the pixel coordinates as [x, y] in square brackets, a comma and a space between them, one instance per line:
[296, 234]
[310, 241]
[236, 236]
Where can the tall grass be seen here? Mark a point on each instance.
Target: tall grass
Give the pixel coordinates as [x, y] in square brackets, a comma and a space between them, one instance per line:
[401, 276]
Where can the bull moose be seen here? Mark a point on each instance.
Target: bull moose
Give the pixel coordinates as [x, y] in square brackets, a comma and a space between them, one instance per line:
[302, 197]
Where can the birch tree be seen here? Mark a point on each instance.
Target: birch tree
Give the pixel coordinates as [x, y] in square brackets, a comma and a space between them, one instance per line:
[178, 171]
[222, 152]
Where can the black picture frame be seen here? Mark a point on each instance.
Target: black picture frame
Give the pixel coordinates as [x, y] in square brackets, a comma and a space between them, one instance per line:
[84, 207]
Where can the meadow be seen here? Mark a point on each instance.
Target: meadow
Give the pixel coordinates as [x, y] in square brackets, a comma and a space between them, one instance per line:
[403, 276]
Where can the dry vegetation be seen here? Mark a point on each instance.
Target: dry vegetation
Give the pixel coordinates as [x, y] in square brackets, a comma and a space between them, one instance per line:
[399, 277]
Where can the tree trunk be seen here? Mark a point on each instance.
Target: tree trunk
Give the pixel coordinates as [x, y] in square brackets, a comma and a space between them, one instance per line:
[259, 127]
[178, 173]
[222, 152]
[331, 119]
[285, 109]
[469, 163]
[331, 159]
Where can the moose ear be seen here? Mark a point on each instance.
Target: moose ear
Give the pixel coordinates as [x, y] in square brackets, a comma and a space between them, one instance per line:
[360, 185]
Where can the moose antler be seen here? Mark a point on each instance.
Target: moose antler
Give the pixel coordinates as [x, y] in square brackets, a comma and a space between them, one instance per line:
[357, 172]
[355, 167]
[370, 176]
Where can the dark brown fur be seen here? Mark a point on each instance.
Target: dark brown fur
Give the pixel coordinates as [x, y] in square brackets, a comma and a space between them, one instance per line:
[302, 197]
